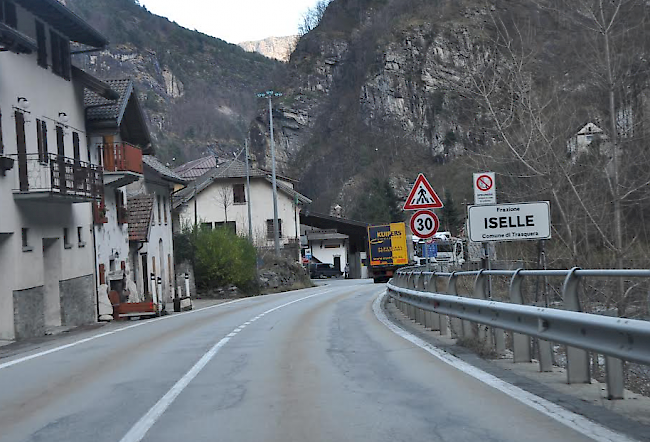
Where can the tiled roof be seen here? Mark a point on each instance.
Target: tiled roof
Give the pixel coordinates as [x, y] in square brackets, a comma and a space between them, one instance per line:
[140, 213]
[196, 168]
[163, 170]
[231, 169]
[99, 108]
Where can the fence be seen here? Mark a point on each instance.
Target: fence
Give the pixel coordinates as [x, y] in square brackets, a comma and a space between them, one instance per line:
[416, 293]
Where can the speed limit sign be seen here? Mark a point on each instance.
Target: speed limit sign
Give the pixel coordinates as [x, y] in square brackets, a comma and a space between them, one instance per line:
[424, 223]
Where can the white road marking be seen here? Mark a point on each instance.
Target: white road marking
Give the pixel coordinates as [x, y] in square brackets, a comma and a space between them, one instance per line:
[572, 420]
[140, 429]
[139, 324]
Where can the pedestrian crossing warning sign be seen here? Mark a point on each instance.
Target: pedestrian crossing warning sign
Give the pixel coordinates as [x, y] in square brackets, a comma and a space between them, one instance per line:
[422, 196]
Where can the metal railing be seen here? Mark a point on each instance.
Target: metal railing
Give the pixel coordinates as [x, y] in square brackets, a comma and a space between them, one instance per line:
[416, 293]
[121, 157]
[57, 175]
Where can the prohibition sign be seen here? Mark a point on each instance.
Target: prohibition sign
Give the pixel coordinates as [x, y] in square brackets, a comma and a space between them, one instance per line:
[424, 223]
[484, 183]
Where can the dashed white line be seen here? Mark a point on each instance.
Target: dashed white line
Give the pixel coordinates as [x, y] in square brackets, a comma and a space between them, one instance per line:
[140, 429]
[572, 420]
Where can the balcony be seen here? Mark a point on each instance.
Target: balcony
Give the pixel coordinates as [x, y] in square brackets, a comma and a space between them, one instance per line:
[122, 164]
[57, 179]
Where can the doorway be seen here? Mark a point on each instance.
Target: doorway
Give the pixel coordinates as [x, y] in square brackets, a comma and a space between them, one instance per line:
[6, 288]
[145, 275]
[337, 263]
[21, 147]
[52, 278]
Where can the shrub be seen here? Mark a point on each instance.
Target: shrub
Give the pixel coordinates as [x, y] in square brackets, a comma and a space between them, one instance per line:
[220, 257]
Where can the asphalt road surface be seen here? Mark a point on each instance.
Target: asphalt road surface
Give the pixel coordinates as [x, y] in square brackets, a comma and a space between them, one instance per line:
[309, 365]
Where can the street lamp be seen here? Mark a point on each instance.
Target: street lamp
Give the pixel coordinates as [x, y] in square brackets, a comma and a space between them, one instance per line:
[276, 232]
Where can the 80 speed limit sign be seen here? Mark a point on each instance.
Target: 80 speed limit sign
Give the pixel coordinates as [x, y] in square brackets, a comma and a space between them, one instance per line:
[424, 223]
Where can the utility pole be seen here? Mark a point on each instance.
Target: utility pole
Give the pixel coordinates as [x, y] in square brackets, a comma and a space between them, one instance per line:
[276, 232]
[248, 196]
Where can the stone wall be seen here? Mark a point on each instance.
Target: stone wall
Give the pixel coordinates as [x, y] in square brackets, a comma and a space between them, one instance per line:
[29, 316]
[78, 301]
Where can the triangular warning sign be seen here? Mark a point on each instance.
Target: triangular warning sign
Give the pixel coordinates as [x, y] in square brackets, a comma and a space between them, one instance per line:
[422, 196]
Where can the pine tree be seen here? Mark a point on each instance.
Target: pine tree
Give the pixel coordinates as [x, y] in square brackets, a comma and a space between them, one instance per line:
[450, 217]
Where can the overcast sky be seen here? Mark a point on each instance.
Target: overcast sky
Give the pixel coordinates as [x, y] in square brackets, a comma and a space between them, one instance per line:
[234, 20]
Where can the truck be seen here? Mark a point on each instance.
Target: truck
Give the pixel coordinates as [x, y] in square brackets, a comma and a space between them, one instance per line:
[388, 250]
[449, 251]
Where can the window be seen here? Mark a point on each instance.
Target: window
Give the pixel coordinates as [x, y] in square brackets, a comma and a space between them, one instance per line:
[25, 239]
[66, 238]
[232, 225]
[41, 44]
[60, 55]
[269, 228]
[75, 147]
[41, 137]
[111, 265]
[8, 13]
[60, 141]
[207, 226]
[80, 237]
[239, 195]
[159, 217]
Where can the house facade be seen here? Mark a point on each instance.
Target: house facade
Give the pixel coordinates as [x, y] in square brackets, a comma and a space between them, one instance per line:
[48, 179]
[151, 246]
[326, 246]
[219, 197]
[118, 137]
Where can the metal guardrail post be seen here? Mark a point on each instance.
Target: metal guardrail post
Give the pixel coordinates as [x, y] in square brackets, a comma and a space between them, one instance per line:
[521, 343]
[484, 332]
[434, 320]
[614, 372]
[456, 323]
[577, 360]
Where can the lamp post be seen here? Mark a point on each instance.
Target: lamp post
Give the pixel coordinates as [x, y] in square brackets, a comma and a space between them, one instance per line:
[276, 232]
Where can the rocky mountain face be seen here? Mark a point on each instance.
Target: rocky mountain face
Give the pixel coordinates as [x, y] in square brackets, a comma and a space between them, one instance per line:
[278, 48]
[197, 91]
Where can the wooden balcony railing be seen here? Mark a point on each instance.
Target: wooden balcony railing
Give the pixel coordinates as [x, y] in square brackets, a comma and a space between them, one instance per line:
[99, 213]
[121, 157]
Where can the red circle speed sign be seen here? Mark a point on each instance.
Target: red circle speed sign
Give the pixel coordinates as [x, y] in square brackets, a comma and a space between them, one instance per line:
[424, 223]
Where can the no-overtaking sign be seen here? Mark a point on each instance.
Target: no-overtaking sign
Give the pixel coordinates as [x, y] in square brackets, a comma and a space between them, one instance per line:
[510, 222]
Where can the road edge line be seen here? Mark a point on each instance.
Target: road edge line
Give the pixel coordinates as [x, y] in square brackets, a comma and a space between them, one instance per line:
[568, 418]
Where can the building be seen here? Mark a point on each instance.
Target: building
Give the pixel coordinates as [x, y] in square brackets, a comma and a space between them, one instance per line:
[118, 137]
[219, 197]
[588, 134]
[325, 245]
[48, 179]
[151, 246]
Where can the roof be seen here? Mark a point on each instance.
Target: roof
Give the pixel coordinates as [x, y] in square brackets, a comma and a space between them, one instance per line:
[140, 216]
[65, 21]
[100, 108]
[227, 170]
[196, 168]
[15, 41]
[121, 114]
[165, 172]
[324, 236]
[96, 86]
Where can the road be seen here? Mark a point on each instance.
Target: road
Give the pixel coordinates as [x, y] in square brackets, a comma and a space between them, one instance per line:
[309, 365]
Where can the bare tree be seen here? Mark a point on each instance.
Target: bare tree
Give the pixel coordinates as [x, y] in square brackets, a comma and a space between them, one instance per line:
[225, 199]
[312, 17]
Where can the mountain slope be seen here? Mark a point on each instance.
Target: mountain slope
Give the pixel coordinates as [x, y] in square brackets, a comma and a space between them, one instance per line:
[197, 90]
[278, 48]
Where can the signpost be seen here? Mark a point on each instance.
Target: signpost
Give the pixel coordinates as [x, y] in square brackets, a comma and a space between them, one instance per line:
[510, 222]
[422, 196]
[485, 191]
[424, 223]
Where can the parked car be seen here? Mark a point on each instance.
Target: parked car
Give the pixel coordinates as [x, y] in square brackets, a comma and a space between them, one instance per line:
[323, 271]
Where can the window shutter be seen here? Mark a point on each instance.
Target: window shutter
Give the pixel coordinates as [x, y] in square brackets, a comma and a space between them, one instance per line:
[2, 146]
[41, 44]
[75, 146]
[60, 146]
[39, 140]
[65, 57]
[44, 137]
[2, 11]
[56, 53]
[11, 19]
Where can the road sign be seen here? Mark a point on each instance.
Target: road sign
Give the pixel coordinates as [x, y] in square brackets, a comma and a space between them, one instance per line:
[510, 222]
[422, 196]
[485, 191]
[433, 249]
[424, 223]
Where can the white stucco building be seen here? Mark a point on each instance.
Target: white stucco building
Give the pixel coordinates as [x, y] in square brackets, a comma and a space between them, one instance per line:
[219, 197]
[47, 183]
[118, 137]
[151, 247]
[326, 245]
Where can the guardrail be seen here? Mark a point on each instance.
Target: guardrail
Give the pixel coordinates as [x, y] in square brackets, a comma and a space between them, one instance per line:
[415, 292]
